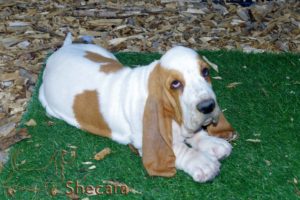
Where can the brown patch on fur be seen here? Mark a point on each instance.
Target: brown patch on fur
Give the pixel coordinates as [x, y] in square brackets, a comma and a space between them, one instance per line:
[162, 106]
[203, 65]
[110, 65]
[222, 129]
[87, 113]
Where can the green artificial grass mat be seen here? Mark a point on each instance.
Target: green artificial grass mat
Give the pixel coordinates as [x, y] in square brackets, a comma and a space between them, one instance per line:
[265, 107]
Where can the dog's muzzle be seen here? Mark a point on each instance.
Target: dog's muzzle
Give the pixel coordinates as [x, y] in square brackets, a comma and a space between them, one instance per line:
[207, 107]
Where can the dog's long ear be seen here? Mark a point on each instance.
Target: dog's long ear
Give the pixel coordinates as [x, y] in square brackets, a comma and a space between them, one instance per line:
[222, 129]
[158, 155]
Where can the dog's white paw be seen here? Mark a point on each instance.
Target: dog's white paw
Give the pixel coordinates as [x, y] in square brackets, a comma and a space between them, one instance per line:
[216, 147]
[204, 167]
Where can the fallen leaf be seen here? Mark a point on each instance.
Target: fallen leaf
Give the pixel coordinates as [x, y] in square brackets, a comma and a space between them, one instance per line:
[254, 140]
[72, 146]
[102, 154]
[214, 66]
[11, 191]
[50, 123]
[37, 145]
[31, 122]
[92, 167]
[217, 77]
[233, 85]
[268, 163]
[73, 154]
[87, 163]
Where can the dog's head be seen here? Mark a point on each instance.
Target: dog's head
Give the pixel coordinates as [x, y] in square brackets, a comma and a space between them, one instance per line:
[190, 80]
[180, 90]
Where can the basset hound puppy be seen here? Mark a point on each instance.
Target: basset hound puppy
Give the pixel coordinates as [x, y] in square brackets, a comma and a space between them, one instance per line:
[160, 108]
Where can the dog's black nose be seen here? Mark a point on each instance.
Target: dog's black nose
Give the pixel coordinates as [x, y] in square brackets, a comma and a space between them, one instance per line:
[206, 106]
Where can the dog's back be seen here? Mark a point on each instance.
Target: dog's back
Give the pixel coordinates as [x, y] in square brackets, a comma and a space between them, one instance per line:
[86, 86]
[67, 74]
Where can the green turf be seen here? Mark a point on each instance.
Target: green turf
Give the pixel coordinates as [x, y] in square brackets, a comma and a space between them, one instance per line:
[265, 106]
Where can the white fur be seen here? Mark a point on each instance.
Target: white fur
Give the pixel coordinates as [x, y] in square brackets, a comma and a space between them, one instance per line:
[122, 99]
[216, 147]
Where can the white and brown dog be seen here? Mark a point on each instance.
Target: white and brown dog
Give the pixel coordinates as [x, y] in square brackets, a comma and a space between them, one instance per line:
[158, 108]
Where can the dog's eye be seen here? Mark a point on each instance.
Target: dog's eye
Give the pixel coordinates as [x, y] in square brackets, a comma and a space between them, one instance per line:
[176, 84]
[205, 72]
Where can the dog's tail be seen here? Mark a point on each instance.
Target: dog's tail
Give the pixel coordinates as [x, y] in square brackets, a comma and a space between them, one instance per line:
[68, 39]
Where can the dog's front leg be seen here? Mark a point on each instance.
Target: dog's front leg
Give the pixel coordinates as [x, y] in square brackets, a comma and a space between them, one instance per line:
[217, 147]
[200, 165]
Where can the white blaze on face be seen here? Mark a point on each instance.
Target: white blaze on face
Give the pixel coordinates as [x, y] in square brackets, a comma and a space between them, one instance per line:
[196, 88]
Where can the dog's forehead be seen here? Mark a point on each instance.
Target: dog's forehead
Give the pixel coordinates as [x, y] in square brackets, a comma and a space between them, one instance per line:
[181, 59]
